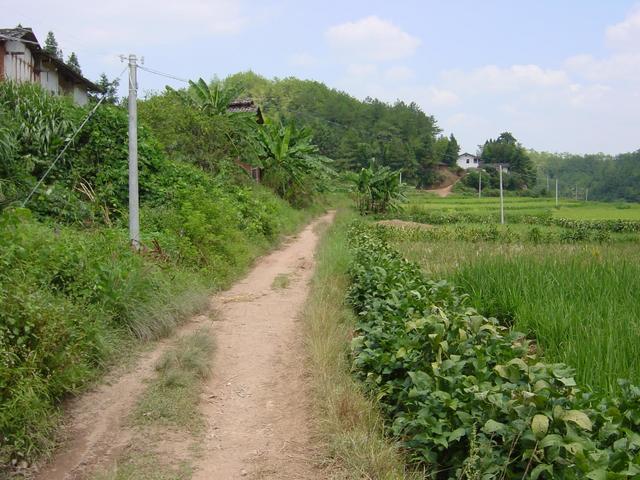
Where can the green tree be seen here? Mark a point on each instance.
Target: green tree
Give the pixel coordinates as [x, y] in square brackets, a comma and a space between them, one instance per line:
[292, 165]
[379, 189]
[109, 89]
[346, 129]
[51, 46]
[452, 152]
[72, 61]
[507, 150]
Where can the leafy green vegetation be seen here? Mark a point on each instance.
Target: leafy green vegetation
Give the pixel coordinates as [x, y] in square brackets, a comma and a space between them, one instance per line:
[582, 217]
[469, 397]
[73, 294]
[378, 189]
[399, 136]
[293, 168]
[582, 309]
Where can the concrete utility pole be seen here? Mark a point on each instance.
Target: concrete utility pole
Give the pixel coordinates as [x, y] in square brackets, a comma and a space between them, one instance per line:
[547, 184]
[556, 192]
[479, 183]
[576, 192]
[134, 214]
[501, 199]
[586, 195]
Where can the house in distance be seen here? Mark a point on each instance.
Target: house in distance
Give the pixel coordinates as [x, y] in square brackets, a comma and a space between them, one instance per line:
[467, 161]
[22, 59]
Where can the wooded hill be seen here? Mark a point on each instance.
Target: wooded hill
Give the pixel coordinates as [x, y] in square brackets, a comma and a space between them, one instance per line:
[400, 135]
[607, 177]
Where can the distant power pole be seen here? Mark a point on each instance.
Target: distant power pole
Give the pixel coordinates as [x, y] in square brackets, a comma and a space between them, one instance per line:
[479, 183]
[134, 214]
[576, 192]
[547, 184]
[501, 199]
[556, 192]
[586, 194]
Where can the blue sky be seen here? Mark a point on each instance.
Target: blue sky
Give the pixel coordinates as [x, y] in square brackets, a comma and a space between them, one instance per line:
[561, 75]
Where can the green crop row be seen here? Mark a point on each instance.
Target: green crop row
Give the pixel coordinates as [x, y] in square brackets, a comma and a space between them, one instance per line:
[468, 397]
[492, 233]
[422, 215]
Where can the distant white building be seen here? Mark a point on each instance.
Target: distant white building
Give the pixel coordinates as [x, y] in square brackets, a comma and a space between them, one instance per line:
[22, 59]
[467, 161]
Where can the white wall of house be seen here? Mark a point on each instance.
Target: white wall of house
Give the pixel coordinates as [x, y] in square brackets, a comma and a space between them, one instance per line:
[19, 64]
[467, 161]
[50, 81]
[80, 95]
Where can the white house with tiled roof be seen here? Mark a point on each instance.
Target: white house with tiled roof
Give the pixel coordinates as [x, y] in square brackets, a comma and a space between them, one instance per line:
[22, 59]
[467, 161]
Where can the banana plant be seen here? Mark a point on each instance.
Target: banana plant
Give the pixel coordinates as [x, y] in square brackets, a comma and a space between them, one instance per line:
[379, 189]
[292, 164]
[213, 99]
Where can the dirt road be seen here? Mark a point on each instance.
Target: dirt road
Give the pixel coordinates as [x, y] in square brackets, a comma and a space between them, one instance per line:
[444, 191]
[256, 402]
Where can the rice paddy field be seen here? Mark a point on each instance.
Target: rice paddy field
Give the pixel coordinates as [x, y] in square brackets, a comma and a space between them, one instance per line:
[575, 289]
[543, 206]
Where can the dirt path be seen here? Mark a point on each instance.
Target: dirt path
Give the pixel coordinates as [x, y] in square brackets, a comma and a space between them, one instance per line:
[444, 191]
[96, 429]
[255, 403]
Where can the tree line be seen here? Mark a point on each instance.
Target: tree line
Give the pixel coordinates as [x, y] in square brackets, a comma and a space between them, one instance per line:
[353, 132]
[607, 177]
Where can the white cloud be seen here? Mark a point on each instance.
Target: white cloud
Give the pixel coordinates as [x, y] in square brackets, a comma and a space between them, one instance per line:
[303, 59]
[626, 34]
[617, 67]
[399, 74]
[442, 97]
[491, 78]
[371, 39]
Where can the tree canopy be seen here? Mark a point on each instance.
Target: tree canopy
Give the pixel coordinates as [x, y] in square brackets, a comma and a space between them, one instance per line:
[608, 177]
[350, 131]
[73, 62]
[507, 150]
[51, 46]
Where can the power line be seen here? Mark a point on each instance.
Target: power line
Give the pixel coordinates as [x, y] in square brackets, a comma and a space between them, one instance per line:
[162, 74]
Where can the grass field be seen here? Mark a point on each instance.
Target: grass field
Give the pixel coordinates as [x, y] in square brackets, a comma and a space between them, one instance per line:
[578, 299]
[578, 210]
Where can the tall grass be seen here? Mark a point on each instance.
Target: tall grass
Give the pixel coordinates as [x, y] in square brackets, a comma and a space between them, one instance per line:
[349, 423]
[582, 309]
[580, 302]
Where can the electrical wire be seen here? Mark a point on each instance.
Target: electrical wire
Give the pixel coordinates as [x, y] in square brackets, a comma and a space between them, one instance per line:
[69, 141]
[162, 74]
